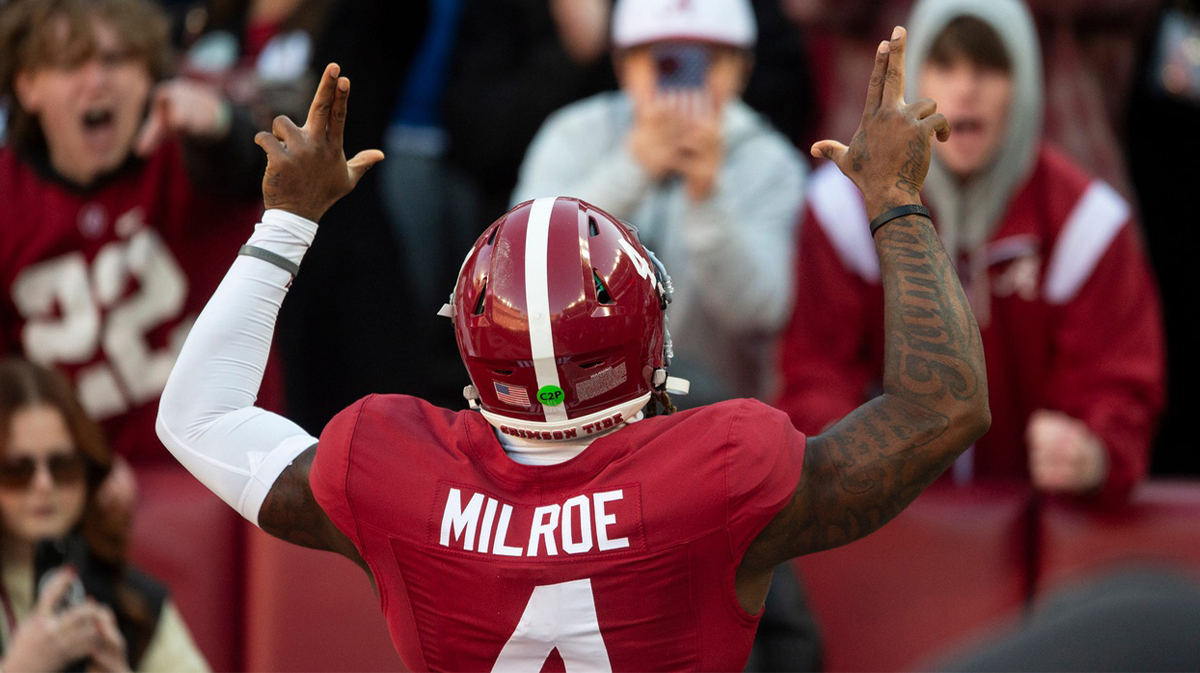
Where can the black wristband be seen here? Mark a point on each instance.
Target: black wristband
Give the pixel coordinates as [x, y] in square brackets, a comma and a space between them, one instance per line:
[901, 211]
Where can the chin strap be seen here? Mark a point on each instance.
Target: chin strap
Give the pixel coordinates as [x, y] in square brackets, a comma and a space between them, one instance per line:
[666, 292]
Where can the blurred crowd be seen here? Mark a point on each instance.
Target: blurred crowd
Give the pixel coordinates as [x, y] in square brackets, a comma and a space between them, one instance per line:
[129, 177]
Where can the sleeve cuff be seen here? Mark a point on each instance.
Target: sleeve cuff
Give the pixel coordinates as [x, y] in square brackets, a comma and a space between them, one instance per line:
[303, 227]
[285, 234]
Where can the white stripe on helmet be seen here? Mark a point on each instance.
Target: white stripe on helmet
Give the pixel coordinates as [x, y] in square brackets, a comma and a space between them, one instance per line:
[537, 302]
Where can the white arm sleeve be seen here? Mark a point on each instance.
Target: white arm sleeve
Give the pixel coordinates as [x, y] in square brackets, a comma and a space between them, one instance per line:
[207, 417]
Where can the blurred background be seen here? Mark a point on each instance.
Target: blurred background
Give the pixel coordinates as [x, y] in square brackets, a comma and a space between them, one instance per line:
[468, 98]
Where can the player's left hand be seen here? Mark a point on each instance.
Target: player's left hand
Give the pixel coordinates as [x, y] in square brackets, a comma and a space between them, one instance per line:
[1065, 456]
[889, 156]
[307, 171]
[186, 108]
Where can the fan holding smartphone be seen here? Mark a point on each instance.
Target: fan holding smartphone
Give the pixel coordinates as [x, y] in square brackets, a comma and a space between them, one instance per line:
[679, 90]
[714, 190]
[69, 601]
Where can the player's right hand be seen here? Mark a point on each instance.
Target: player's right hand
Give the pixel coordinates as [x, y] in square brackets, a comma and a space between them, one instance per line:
[307, 171]
[889, 155]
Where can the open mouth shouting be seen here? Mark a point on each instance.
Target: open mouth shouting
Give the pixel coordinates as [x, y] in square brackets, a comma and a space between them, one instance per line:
[99, 127]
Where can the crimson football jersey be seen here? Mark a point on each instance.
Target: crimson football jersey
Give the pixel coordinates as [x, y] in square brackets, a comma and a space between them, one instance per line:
[622, 558]
[104, 283]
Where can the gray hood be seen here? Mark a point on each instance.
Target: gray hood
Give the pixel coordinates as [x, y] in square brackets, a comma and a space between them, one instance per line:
[967, 215]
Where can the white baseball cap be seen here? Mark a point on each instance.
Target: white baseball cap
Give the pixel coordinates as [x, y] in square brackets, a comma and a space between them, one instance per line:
[637, 22]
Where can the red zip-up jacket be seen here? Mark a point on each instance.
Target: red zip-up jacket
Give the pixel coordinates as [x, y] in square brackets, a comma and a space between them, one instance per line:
[1069, 316]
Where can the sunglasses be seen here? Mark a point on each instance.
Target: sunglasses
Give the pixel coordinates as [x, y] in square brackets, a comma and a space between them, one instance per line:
[65, 470]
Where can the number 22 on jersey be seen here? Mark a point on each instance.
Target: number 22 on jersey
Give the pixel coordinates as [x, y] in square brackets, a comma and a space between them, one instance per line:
[75, 310]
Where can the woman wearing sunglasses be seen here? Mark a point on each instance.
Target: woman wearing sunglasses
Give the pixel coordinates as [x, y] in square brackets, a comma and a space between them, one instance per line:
[93, 611]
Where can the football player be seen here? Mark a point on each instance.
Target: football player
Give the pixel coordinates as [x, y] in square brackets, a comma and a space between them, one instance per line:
[562, 524]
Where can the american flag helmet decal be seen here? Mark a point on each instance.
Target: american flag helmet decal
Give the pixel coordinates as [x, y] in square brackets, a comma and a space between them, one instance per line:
[515, 395]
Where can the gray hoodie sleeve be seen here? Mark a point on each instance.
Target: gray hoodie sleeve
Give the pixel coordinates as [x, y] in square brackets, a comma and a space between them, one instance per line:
[741, 241]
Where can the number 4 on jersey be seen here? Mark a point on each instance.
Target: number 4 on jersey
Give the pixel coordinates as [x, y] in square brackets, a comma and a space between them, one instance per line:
[558, 616]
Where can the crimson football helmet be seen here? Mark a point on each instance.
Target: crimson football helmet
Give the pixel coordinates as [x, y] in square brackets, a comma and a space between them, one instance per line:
[559, 313]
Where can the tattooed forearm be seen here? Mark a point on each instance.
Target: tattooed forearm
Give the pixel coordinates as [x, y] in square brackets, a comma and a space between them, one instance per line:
[863, 471]
[858, 476]
[868, 467]
[935, 393]
[932, 347]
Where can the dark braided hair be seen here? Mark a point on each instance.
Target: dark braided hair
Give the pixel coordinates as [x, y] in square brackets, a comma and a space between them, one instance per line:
[659, 404]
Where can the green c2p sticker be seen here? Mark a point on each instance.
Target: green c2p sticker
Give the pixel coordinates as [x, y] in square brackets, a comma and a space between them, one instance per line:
[551, 396]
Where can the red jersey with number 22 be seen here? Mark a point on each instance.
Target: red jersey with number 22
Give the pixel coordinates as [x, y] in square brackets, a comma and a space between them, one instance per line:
[104, 284]
[622, 558]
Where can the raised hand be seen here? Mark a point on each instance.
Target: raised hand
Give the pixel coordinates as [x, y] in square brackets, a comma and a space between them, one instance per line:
[183, 107]
[888, 157]
[582, 27]
[307, 171]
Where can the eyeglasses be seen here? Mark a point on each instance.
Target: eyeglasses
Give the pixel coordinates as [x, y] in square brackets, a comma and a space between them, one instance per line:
[65, 470]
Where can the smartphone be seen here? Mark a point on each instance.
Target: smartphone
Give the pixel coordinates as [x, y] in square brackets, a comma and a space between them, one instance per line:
[51, 555]
[681, 65]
